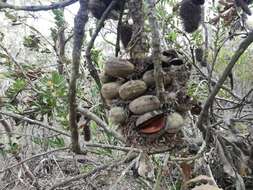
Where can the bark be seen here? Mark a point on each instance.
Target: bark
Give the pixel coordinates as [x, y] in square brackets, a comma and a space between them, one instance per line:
[156, 52]
[139, 45]
[80, 20]
[61, 50]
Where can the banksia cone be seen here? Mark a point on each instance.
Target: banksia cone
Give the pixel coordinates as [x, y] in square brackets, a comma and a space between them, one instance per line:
[191, 15]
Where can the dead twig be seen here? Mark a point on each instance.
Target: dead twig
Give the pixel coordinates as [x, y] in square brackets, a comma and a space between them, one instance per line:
[243, 46]
[33, 8]
[33, 157]
[123, 173]
[107, 146]
[21, 117]
[20, 68]
[96, 170]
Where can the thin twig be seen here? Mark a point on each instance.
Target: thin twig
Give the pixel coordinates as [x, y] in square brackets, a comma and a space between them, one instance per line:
[123, 173]
[91, 67]
[119, 29]
[96, 170]
[160, 171]
[20, 67]
[107, 146]
[34, 8]
[243, 46]
[33, 157]
[21, 117]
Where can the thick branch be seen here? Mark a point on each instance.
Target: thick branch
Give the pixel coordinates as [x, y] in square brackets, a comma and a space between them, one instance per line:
[243, 46]
[138, 44]
[37, 7]
[80, 21]
[158, 71]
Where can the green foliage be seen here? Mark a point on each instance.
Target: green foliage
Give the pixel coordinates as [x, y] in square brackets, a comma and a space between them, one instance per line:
[53, 34]
[197, 38]
[86, 168]
[242, 69]
[171, 37]
[14, 148]
[177, 185]
[2, 152]
[32, 42]
[56, 142]
[96, 56]
[59, 22]
[197, 90]
[59, 17]
[52, 97]
[10, 148]
[11, 16]
[17, 87]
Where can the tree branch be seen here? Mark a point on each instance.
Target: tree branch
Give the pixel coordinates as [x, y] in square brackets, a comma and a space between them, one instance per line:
[158, 71]
[101, 123]
[243, 46]
[34, 8]
[80, 20]
[21, 117]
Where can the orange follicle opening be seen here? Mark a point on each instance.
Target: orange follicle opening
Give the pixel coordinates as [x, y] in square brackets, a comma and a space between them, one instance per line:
[153, 125]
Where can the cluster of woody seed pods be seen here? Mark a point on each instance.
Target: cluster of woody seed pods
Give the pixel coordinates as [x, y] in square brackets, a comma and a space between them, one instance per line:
[132, 98]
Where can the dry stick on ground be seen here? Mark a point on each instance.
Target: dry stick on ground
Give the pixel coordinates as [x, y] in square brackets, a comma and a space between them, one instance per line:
[34, 8]
[160, 172]
[243, 46]
[79, 24]
[124, 172]
[100, 123]
[33, 157]
[158, 71]
[23, 118]
[91, 67]
[116, 163]
[107, 146]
